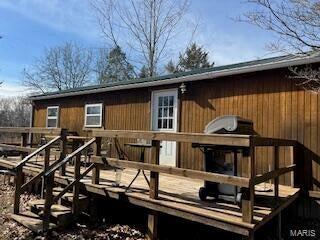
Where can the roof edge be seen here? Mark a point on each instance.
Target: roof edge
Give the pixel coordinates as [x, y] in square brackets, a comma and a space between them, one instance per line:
[195, 77]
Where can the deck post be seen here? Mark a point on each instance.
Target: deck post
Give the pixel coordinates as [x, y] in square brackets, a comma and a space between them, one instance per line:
[17, 192]
[279, 226]
[154, 176]
[24, 142]
[251, 235]
[75, 202]
[152, 233]
[298, 160]
[45, 168]
[96, 169]
[248, 194]
[276, 167]
[63, 150]
[48, 202]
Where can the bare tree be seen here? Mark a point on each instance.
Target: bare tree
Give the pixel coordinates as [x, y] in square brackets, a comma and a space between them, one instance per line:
[297, 25]
[62, 67]
[14, 112]
[145, 26]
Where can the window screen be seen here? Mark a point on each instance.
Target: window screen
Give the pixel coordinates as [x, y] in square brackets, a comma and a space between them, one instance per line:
[52, 117]
[93, 115]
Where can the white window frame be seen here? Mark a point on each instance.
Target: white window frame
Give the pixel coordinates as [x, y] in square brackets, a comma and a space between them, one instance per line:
[98, 114]
[53, 117]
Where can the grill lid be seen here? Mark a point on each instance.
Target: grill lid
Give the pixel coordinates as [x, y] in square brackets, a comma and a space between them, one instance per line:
[228, 123]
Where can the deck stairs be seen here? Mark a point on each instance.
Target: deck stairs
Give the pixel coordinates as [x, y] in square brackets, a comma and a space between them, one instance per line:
[60, 216]
[59, 206]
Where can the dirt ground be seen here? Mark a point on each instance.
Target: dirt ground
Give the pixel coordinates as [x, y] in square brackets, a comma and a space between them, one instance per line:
[10, 230]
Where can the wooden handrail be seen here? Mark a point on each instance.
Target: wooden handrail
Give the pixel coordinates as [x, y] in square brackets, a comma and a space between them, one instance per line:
[32, 180]
[69, 157]
[273, 174]
[18, 148]
[56, 131]
[265, 142]
[207, 176]
[27, 158]
[56, 198]
[217, 139]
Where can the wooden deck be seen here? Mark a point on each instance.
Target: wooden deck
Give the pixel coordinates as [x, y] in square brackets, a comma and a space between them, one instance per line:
[178, 196]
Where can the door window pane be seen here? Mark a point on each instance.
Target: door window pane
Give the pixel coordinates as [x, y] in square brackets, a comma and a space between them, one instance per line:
[165, 123]
[171, 112]
[165, 112]
[165, 101]
[160, 101]
[171, 100]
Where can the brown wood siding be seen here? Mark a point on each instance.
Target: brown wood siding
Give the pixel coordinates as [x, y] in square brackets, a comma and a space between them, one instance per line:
[276, 105]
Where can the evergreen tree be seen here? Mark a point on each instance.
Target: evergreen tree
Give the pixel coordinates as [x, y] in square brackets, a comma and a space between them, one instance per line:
[143, 72]
[194, 57]
[171, 67]
[116, 68]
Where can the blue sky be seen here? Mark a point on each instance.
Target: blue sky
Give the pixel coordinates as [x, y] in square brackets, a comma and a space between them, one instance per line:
[30, 26]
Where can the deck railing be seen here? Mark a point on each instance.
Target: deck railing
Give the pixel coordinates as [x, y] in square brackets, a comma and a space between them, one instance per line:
[246, 182]
[28, 153]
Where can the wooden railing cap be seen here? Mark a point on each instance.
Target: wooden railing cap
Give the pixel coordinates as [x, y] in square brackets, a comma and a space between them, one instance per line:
[56, 131]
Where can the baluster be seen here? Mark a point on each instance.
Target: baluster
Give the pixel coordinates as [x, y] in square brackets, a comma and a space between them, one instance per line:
[49, 182]
[276, 167]
[77, 166]
[24, 142]
[17, 192]
[96, 169]
[63, 150]
[45, 168]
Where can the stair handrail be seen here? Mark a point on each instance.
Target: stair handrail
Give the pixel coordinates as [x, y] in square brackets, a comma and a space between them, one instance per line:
[49, 178]
[69, 157]
[39, 150]
[20, 186]
[82, 175]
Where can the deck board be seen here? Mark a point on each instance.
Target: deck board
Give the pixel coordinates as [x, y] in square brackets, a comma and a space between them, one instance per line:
[179, 196]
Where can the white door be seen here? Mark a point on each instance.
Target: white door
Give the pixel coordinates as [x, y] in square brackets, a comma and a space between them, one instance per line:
[164, 118]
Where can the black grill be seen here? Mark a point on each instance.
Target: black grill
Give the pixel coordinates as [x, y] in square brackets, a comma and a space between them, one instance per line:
[215, 156]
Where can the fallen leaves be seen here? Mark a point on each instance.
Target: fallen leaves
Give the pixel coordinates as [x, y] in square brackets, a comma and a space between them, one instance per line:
[9, 229]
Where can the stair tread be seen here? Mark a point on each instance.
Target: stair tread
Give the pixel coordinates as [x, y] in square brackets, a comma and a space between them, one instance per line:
[31, 221]
[57, 210]
[68, 195]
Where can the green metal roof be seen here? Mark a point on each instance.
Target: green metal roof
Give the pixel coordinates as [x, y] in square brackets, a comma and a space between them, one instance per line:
[230, 67]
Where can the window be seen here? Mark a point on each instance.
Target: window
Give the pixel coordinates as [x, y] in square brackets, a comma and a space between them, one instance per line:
[93, 115]
[52, 117]
[165, 112]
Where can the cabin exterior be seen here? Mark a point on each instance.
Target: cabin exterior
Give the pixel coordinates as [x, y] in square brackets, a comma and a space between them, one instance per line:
[259, 90]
